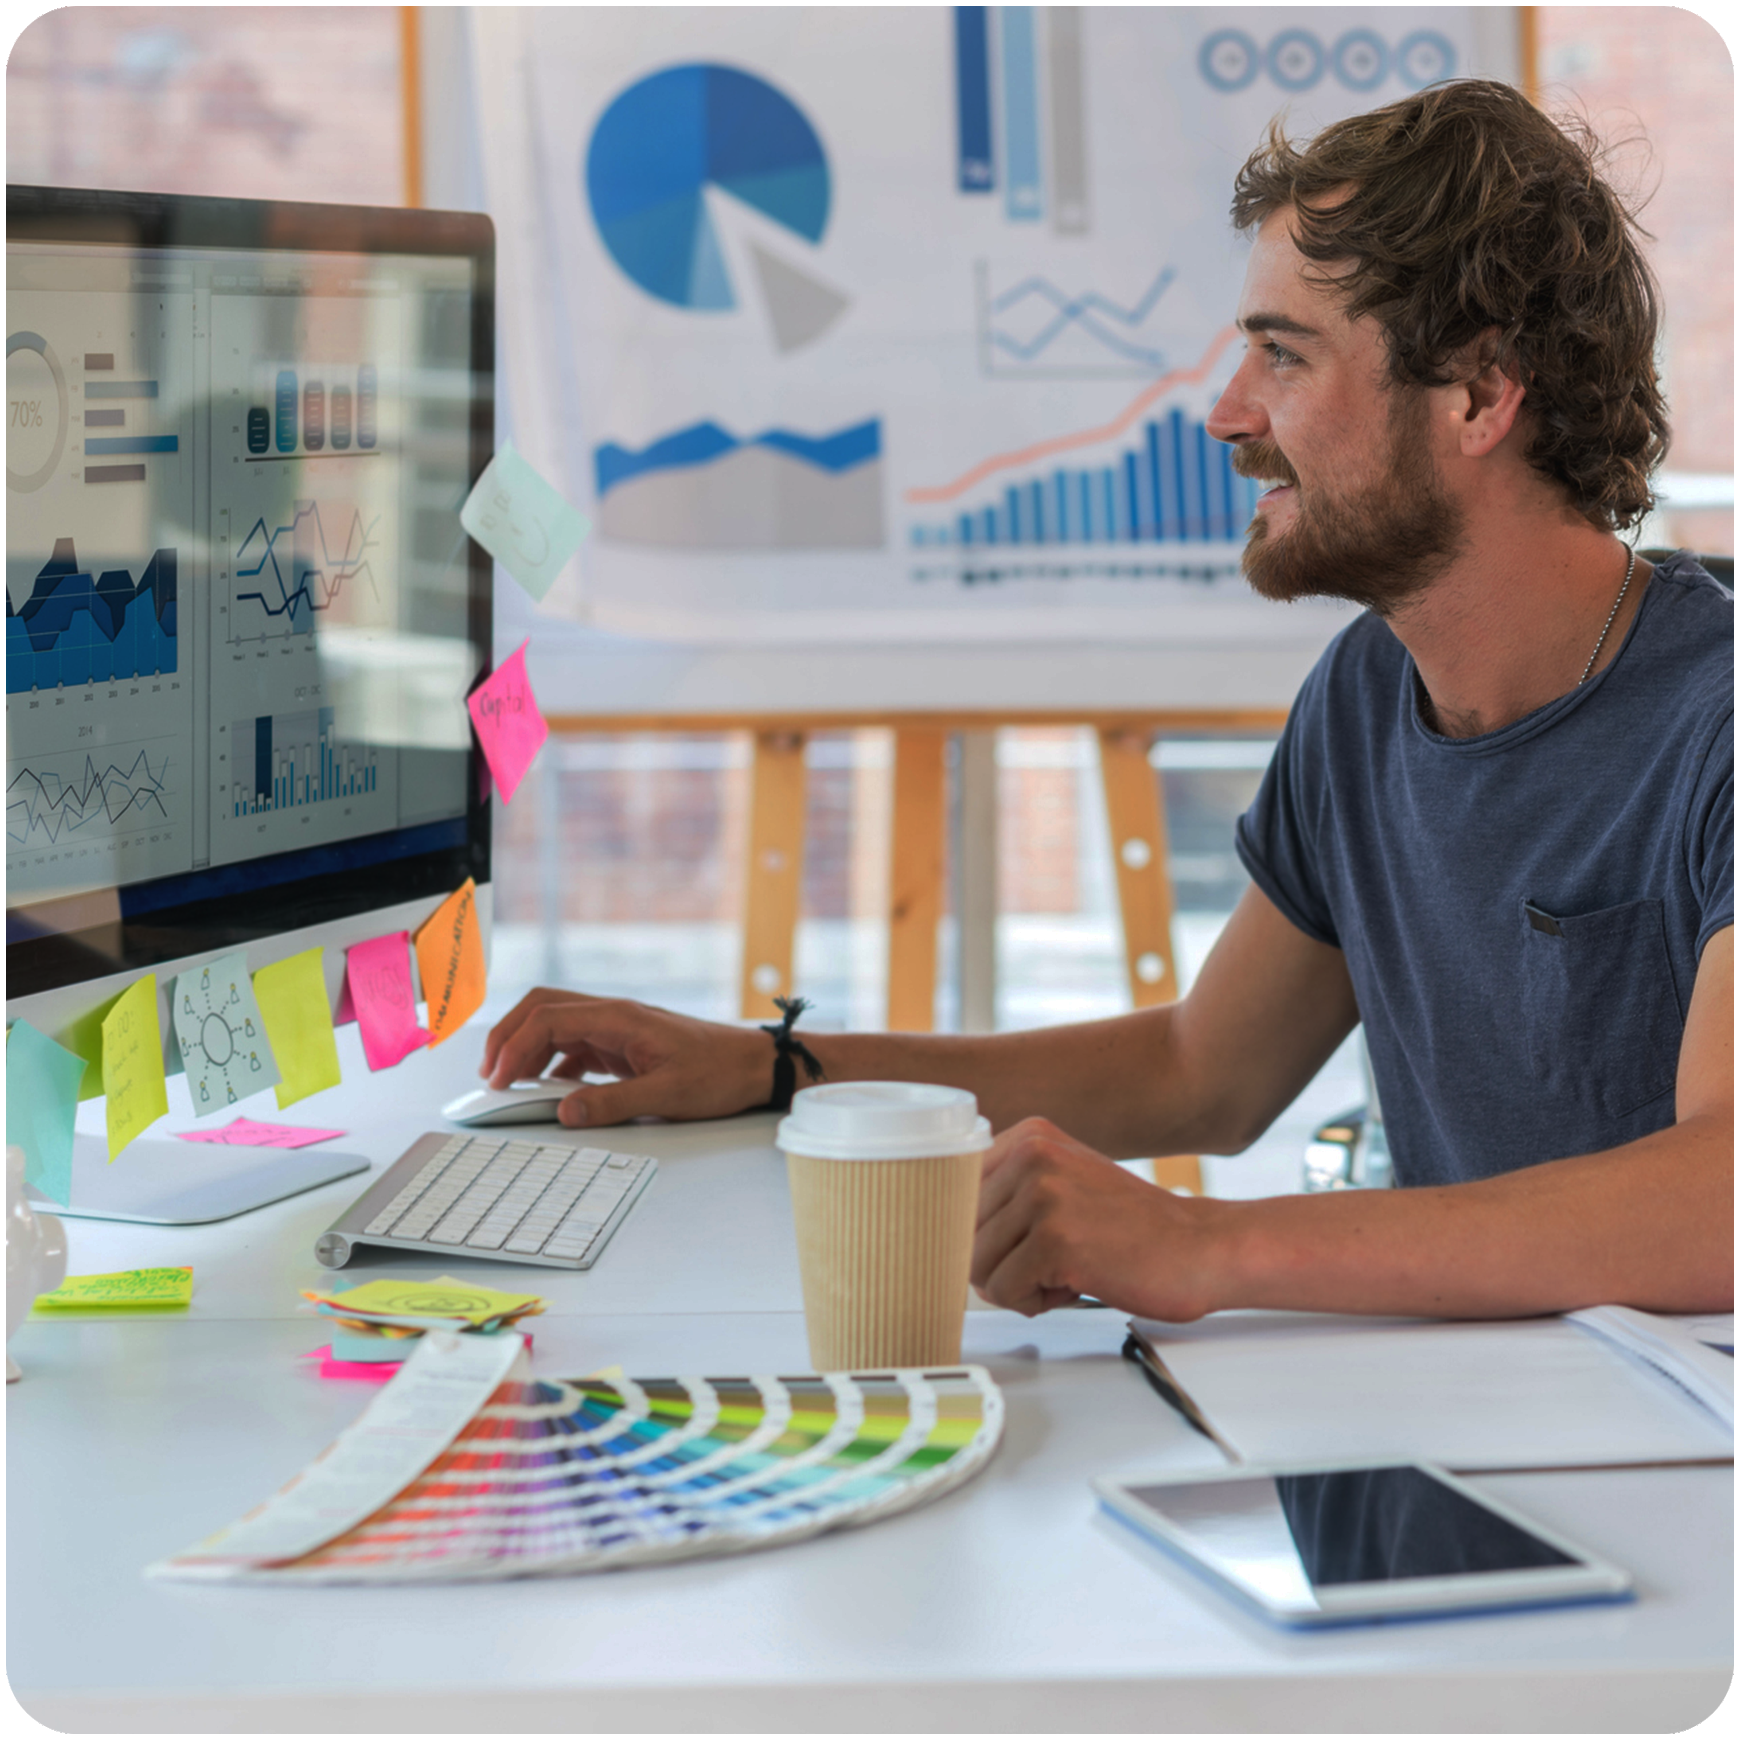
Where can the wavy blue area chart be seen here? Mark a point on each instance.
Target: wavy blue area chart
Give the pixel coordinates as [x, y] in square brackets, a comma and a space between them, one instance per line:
[706, 488]
[79, 627]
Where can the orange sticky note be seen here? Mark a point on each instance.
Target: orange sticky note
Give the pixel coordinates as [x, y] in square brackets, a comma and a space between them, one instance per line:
[450, 962]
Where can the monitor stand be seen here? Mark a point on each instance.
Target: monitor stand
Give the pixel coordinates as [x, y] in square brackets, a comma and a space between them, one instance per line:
[186, 1183]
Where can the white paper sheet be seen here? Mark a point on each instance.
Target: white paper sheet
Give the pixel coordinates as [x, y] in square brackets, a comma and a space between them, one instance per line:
[1677, 1348]
[1537, 1393]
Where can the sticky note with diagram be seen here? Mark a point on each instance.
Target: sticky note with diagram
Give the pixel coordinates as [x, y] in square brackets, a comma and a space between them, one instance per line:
[522, 521]
[293, 1000]
[450, 963]
[133, 1064]
[222, 1034]
[42, 1093]
[509, 725]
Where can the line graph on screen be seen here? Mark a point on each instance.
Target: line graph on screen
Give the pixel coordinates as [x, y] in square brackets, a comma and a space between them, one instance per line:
[99, 796]
[281, 576]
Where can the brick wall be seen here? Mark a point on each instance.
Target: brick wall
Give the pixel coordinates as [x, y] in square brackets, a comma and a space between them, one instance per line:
[259, 102]
[1658, 84]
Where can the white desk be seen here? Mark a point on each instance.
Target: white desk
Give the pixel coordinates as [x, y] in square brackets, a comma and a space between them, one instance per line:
[1011, 1604]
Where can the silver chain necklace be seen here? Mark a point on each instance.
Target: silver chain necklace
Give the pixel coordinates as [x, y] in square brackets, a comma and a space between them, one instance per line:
[1624, 588]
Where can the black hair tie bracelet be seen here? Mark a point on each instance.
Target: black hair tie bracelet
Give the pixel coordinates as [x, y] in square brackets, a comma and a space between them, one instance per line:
[787, 1049]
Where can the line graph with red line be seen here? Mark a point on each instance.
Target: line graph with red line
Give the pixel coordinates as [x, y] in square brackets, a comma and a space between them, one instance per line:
[1171, 483]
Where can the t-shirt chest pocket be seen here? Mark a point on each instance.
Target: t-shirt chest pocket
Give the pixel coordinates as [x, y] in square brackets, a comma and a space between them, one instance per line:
[1601, 1019]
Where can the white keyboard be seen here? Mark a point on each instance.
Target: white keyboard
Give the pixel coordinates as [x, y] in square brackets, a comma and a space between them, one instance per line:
[494, 1196]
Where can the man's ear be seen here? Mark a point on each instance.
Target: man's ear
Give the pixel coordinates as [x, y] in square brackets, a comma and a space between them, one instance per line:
[1489, 398]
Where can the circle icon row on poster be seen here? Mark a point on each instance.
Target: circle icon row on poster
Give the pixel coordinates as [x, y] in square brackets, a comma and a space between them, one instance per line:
[1296, 60]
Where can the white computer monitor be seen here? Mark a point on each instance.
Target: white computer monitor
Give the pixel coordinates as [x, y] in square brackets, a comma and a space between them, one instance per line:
[242, 615]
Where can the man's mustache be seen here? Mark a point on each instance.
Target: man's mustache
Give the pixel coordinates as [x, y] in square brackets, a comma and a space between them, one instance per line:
[1258, 459]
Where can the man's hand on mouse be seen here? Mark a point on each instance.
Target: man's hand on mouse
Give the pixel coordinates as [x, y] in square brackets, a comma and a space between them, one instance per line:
[1057, 1221]
[667, 1065]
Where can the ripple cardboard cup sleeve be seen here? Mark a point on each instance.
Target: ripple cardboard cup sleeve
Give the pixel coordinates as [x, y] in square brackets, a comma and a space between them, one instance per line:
[522, 521]
[885, 1190]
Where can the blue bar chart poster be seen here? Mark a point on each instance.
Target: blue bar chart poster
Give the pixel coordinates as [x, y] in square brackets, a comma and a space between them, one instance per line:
[908, 325]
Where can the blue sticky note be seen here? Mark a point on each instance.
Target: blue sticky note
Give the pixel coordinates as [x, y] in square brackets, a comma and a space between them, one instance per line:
[522, 521]
[42, 1093]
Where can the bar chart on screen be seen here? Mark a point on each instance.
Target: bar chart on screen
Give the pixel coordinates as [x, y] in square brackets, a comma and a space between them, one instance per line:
[286, 761]
[292, 778]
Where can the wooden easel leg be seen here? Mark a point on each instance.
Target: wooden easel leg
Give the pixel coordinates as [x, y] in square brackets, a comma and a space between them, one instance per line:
[1139, 852]
[774, 877]
[915, 877]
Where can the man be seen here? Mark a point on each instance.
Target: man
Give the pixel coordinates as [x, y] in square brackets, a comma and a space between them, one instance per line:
[1497, 829]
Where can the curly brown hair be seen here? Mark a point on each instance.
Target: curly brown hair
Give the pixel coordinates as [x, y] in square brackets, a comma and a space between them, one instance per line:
[1465, 211]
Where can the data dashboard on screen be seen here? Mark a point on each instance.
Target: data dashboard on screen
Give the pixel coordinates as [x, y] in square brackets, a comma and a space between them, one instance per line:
[241, 613]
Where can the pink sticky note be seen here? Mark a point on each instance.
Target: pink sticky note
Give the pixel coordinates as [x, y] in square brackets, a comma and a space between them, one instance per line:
[509, 725]
[378, 973]
[246, 1133]
[369, 1371]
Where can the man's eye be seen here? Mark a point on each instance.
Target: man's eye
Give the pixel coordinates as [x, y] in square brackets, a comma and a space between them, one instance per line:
[1279, 354]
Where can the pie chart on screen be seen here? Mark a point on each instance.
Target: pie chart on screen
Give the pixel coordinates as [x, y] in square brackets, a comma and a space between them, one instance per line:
[678, 136]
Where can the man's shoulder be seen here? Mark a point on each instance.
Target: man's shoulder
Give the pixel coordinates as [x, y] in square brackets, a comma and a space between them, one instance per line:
[1695, 588]
[1690, 640]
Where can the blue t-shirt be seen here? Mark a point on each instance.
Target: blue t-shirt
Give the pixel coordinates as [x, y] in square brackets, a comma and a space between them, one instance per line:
[1502, 1036]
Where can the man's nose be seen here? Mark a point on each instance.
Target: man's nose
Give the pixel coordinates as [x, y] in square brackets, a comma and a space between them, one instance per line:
[1237, 416]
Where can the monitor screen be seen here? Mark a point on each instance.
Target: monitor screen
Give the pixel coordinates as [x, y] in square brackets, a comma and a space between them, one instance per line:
[241, 612]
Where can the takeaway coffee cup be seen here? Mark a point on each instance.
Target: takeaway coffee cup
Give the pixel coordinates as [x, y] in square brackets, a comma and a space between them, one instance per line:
[884, 1191]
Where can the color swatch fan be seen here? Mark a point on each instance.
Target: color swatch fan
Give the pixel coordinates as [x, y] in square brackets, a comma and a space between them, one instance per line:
[466, 1466]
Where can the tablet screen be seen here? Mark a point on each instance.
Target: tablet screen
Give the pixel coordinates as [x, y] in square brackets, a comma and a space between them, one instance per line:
[1284, 1536]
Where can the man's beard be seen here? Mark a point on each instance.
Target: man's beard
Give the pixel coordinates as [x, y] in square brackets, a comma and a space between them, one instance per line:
[1378, 547]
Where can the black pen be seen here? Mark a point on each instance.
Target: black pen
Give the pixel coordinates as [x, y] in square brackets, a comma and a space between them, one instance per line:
[1138, 1349]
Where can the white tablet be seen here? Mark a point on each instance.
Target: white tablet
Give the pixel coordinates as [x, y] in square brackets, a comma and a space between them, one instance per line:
[1331, 1544]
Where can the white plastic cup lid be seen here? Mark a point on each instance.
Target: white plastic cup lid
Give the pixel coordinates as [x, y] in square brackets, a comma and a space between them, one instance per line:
[882, 1120]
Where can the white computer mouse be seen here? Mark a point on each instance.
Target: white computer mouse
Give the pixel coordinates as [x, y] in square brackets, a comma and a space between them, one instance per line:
[526, 1102]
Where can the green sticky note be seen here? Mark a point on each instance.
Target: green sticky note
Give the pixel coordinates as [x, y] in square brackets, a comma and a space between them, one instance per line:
[126, 1290]
[292, 997]
[133, 1064]
[42, 1094]
[522, 521]
[83, 1036]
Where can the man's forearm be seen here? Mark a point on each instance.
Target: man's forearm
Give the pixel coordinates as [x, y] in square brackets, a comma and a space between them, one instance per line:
[1650, 1225]
[1113, 1083]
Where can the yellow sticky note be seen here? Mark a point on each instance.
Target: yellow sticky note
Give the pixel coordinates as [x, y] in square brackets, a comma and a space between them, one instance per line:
[133, 1064]
[292, 997]
[442, 1297]
[127, 1289]
[450, 962]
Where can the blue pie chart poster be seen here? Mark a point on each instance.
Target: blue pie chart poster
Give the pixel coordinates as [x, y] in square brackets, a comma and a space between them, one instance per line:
[676, 132]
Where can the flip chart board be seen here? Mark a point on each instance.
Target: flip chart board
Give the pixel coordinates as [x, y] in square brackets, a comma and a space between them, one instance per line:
[906, 359]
